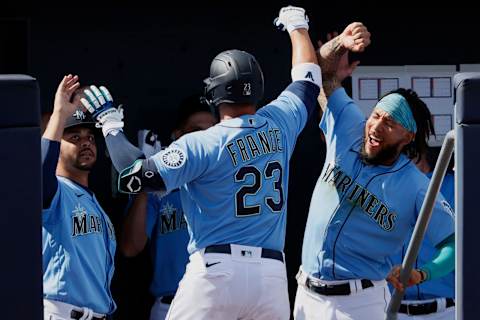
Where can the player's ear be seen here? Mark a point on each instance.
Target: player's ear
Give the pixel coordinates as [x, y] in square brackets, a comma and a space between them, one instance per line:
[409, 136]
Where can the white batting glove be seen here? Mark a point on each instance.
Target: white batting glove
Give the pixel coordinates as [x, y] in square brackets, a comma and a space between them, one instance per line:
[291, 18]
[99, 103]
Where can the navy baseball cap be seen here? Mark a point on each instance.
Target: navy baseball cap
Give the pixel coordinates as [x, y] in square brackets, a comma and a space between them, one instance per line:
[80, 118]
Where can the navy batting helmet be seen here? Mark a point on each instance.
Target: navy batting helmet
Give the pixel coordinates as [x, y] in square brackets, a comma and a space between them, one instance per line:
[235, 77]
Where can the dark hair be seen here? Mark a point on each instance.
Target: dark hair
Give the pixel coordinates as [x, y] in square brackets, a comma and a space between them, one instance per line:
[190, 105]
[423, 119]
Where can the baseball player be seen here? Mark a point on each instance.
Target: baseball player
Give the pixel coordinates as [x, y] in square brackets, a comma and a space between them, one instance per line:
[366, 199]
[434, 299]
[161, 219]
[233, 181]
[78, 240]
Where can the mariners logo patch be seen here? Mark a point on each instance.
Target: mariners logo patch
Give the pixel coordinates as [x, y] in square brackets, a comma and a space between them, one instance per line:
[173, 158]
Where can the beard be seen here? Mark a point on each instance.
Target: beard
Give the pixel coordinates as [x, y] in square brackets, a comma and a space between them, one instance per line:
[385, 155]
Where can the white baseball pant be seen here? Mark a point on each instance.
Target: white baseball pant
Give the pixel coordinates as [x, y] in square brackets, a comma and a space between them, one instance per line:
[370, 303]
[240, 285]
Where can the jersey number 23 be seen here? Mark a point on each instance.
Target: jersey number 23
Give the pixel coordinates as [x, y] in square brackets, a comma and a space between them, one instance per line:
[268, 179]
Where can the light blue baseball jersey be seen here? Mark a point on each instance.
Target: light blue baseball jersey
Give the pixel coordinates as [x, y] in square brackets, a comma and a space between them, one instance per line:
[167, 231]
[361, 214]
[234, 175]
[444, 286]
[78, 246]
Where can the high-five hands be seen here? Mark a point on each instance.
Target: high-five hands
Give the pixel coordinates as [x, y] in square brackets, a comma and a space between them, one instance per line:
[99, 103]
[355, 37]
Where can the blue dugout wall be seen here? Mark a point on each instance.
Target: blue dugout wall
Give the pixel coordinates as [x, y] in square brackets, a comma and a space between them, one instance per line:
[20, 199]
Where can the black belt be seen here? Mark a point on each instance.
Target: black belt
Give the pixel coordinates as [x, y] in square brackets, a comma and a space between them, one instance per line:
[167, 299]
[423, 308]
[74, 314]
[334, 289]
[225, 248]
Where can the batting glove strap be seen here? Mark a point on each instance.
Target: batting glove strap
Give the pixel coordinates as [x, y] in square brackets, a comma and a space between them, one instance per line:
[111, 128]
[110, 120]
[291, 18]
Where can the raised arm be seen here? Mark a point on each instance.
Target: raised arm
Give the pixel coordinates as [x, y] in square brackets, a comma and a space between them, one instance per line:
[137, 174]
[52, 136]
[302, 48]
[333, 57]
[62, 108]
[306, 73]
[295, 22]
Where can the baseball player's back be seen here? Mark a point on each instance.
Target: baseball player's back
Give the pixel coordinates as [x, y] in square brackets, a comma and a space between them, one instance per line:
[233, 179]
[241, 168]
[235, 205]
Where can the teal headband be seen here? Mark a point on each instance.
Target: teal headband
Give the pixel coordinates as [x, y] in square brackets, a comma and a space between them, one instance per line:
[397, 107]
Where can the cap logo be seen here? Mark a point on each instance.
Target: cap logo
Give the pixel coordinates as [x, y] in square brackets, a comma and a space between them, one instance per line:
[79, 115]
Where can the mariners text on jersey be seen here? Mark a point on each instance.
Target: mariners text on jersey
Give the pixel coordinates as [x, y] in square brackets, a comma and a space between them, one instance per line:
[257, 144]
[83, 223]
[170, 221]
[359, 195]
